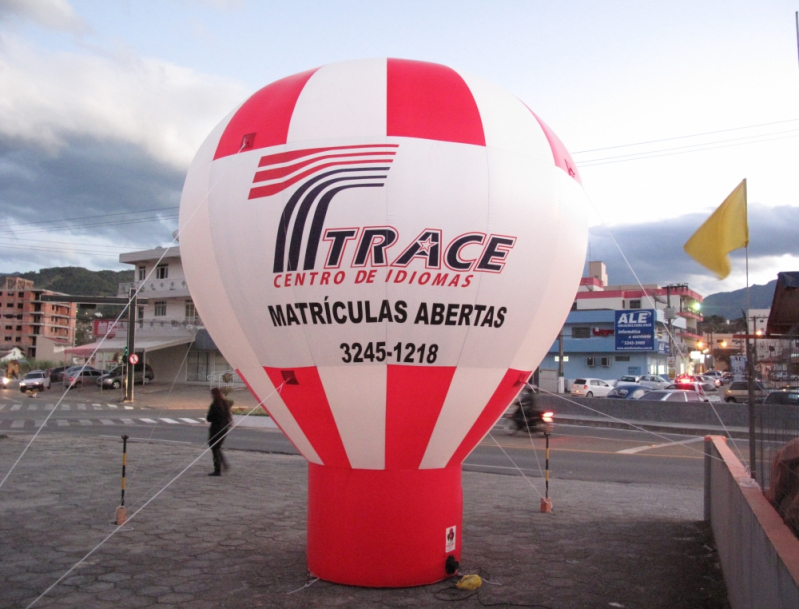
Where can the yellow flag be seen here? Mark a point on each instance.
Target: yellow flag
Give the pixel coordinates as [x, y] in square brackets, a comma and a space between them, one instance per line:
[726, 230]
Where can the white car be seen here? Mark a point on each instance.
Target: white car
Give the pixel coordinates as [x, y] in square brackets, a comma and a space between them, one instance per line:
[591, 388]
[653, 381]
[35, 380]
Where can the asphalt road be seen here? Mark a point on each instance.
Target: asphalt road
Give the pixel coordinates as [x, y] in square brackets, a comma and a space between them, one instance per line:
[576, 453]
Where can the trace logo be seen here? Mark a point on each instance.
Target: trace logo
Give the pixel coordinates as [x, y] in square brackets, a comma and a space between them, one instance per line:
[323, 173]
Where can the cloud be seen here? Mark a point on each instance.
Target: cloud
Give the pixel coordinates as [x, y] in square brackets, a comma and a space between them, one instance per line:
[88, 136]
[49, 99]
[51, 14]
[654, 249]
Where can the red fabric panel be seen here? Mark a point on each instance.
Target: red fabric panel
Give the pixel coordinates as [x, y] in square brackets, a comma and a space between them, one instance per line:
[308, 405]
[431, 101]
[267, 114]
[414, 397]
[510, 385]
[382, 528]
[562, 157]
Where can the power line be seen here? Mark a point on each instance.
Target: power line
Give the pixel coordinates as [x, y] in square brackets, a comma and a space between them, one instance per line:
[88, 225]
[682, 137]
[672, 151]
[120, 213]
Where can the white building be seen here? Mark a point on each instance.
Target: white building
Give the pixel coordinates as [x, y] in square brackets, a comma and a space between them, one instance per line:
[170, 336]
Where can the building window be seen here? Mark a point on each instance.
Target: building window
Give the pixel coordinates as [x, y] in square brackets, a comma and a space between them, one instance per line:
[635, 304]
[565, 358]
[19, 328]
[19, 339]
[160, 308]
[9, 327]
[19, 306]
[574, 306]
[142, 273]
[162, 271]
[191, 310]
[622, 358]
[581, 332]
[591, 361]
[604, 361]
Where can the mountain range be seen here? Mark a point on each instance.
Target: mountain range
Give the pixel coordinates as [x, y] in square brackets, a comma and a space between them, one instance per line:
[731, 304]
[75, 280]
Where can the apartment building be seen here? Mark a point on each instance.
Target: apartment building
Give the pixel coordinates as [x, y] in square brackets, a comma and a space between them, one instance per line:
[39, 329]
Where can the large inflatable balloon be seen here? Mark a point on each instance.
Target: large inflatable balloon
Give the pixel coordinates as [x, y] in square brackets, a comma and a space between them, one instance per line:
[393, 245]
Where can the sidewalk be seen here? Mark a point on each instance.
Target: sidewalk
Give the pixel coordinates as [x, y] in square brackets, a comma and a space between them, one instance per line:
[239, 540]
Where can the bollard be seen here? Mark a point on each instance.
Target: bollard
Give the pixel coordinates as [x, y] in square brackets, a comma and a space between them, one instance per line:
[546, 502]
[121, 515]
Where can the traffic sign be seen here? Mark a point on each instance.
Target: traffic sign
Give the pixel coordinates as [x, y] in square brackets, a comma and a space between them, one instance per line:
[133, 359]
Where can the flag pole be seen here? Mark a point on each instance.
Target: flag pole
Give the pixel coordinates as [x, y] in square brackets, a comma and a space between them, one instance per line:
[750, 373]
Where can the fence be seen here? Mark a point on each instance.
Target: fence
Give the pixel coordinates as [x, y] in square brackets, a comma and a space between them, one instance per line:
[228, 379]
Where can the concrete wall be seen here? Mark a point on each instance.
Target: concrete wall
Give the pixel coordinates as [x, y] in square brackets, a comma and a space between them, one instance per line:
[759, 554]
[700, 413]
[169, 364]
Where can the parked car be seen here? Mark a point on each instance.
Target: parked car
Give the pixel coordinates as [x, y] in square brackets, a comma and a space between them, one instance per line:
[628, 391]
[57, 374]
[706, 390]
[35, 380]
[653, 381]
[738, 391]
[77, 376]
[114, 378]
[708, 378]
[590, 388]
[672, 395]
[783, 397]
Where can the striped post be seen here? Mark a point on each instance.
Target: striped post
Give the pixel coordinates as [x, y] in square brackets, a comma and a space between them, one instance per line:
[121, 515]
[546, 502]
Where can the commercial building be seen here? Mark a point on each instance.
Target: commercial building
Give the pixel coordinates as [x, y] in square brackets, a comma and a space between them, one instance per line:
[41, 330]
[169, 334]
[615, 330]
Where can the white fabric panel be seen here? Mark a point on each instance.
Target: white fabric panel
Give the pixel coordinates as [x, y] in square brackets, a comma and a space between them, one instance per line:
[468, 395]
[570, 235]
[342, 100]
[507, 123]
[210, 296]
[357, 398]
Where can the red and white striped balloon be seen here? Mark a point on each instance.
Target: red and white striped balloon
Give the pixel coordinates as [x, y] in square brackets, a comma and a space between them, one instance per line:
[394, 245]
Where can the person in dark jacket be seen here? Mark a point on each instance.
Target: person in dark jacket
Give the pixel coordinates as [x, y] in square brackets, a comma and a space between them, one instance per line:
[220, 419]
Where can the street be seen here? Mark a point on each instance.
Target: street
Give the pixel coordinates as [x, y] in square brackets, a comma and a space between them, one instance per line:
[576, 453]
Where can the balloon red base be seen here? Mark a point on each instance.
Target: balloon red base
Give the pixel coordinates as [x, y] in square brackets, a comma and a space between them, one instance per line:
[383, 528]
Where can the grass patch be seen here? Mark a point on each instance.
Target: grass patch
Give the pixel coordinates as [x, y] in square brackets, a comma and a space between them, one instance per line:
[258, 412]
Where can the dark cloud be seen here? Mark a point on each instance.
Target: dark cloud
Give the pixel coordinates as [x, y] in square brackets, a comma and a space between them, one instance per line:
[655, 249]
[90, 190]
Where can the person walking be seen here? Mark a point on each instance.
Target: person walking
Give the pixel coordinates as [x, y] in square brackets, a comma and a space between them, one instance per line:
[220, 419]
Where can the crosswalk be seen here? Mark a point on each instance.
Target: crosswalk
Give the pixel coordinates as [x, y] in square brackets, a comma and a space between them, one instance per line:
[31, 407]
[55, 422]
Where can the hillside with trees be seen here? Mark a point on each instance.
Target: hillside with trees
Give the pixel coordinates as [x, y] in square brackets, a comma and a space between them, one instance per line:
[77, 281]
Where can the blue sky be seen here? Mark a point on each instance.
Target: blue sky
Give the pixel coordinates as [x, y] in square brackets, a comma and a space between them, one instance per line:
[102, 105]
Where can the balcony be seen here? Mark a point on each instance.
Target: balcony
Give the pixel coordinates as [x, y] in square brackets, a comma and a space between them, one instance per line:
[156, 288]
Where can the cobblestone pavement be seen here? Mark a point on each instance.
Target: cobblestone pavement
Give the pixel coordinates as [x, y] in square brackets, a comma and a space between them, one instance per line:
[239, 540]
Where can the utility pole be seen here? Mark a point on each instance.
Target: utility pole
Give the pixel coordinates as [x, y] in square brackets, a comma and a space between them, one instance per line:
[132, 301]
[561, 382]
